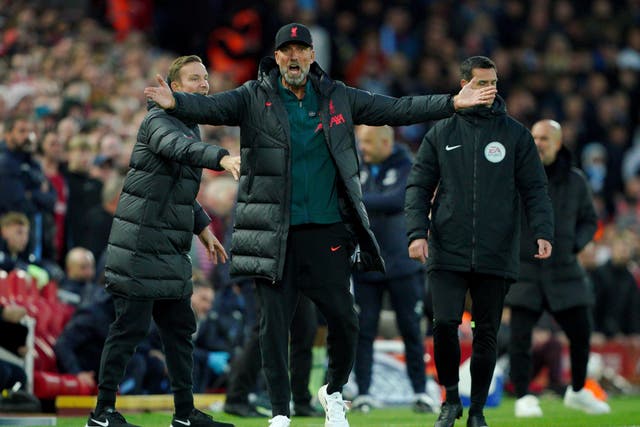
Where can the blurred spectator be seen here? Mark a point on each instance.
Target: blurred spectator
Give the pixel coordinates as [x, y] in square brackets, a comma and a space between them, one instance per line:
[84, 191]
[14, 233]
[79, 347]
[13, 339]
[23, 186]
[52, 158]
[78, 287]
[96, 224]
[217, 198]
[617, 296]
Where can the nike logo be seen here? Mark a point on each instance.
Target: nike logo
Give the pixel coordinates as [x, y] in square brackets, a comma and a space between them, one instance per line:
[452, 147]
[103, 424]
[184, 423]
[335, 248]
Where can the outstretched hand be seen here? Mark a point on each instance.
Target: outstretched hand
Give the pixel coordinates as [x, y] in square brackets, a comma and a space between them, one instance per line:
[161, 94]
[469, 97]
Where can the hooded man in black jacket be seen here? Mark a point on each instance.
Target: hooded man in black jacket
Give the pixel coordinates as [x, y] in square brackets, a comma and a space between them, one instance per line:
[558, 284]
[300, 214]
[148, 269]
[479, 163]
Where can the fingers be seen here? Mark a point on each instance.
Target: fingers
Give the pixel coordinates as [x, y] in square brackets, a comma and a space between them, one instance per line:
[473, 80]
[162, 82]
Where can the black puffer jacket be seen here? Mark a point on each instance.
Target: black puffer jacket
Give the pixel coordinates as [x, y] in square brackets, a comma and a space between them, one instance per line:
[560, 279]
[263, 210]
[157, 215]
[481, 161]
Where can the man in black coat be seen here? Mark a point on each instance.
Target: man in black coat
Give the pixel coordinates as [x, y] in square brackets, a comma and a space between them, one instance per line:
[482, 163]
[148, 269]
[300, 215]
[557, 284]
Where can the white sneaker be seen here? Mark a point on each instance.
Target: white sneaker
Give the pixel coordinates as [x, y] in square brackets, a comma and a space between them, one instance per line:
[364, 403]
[528, 406]
[279, 421]
[334, 407]
[585, 401]
[423, 403]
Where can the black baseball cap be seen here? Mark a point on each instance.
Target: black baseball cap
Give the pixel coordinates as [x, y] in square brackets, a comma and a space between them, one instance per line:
[293, 33]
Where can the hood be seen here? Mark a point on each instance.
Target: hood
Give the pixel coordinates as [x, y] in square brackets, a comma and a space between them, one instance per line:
[498, 108]
[268, 74]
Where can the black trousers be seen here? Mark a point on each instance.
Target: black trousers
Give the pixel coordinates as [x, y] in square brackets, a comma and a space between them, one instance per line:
[449, 289]
[576, 324]
[245, 369]
[317, 265]
[407, 294]
[176, 323]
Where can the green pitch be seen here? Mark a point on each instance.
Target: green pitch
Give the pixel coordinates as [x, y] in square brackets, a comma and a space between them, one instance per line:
[625, 413]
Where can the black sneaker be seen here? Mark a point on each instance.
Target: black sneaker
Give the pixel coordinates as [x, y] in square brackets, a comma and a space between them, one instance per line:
[448, 414]
[108, 418]
[246, 410]
[306, 410]
[476, 421]
[197, 419]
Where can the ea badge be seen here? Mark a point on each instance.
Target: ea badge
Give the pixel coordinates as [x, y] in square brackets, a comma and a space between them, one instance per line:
[494, 152]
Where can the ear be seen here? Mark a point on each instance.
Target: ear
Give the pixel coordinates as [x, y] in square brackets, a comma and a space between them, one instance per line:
[463, 82]
[175, 86]
[313, 55]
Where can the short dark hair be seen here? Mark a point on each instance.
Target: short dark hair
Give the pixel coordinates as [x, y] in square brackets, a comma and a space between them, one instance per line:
[11, 121]
[467, 66]
[177, 64]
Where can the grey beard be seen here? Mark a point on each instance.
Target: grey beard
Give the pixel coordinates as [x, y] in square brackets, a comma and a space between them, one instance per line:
[294, 81]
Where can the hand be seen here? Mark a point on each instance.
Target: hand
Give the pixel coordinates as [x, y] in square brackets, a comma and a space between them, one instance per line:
[544, 249]
[469, 97]
[231, 164]
[419, 250]
[218, 361]
[161, 95]
[13, 313]
[215, 250]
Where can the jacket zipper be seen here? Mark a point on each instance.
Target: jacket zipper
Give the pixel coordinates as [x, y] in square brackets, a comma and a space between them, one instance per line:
[474, 199]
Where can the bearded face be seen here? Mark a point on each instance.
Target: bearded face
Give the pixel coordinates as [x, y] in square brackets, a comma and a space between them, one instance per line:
[294, 61]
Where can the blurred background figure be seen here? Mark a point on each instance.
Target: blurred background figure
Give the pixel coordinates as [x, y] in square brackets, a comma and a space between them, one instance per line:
[557, 284]
[384, 170]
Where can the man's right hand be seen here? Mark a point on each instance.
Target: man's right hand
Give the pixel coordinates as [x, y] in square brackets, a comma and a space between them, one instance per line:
[161, 94]
[231, 164]
[419, 250]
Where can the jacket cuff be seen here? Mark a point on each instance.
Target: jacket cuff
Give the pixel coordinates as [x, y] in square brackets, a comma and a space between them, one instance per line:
[221, 153]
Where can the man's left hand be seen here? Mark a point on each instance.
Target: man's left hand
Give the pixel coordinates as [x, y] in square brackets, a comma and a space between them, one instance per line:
[544, 249]
[215, 250]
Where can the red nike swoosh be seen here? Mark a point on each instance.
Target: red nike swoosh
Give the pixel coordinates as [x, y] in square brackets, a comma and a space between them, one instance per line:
[335, 248]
